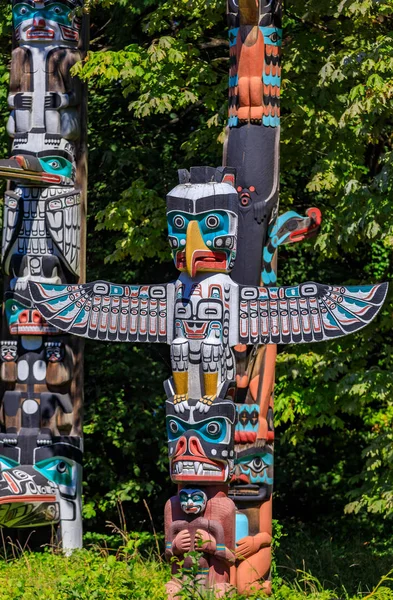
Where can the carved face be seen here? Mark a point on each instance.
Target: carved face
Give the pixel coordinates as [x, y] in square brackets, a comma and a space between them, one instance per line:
[38, 493]
[202, 227]
[202, 312]
[23, 320]
[8, 351]
[253, 476]
[46, 21]
[201, 444]
[192, 501]
[54, 352]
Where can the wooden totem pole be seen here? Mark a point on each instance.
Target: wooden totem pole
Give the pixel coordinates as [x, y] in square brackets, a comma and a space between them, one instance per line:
[43, 241]
[222, 324]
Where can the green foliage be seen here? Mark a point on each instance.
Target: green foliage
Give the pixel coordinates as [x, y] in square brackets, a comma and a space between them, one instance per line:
[157, 74]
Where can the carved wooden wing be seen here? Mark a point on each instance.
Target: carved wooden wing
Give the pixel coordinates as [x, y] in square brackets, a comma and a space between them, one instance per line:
[106, 311]
[310, 312]
[63, 220]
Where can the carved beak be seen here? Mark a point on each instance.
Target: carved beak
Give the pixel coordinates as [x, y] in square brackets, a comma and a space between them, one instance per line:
[195, 247]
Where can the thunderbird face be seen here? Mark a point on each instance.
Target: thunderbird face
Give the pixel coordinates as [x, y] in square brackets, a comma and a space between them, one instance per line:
[202, 227]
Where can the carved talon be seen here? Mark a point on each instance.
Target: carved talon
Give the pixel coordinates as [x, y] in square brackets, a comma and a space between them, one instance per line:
[205, 403]
[180, 402]
[177, 398]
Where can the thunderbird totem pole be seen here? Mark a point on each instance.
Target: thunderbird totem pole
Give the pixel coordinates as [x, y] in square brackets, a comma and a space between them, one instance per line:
[222, 317]
[43, 229]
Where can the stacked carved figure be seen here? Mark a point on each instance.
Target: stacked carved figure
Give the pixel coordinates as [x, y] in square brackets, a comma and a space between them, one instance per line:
[217, 434]
[223, 317]
[41, 438]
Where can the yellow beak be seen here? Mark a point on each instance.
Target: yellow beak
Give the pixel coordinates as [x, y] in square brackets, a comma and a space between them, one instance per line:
[194, 242]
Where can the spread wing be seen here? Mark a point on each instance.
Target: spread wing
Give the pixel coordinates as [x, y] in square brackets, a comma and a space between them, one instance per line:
[106, 311]
[63, 220]
[310, 312]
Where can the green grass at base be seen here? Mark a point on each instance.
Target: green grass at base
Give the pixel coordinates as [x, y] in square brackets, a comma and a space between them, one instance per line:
[95, 575]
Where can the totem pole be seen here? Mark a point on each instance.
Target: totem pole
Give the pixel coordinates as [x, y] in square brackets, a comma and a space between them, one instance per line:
[43, 240]
[222, 324]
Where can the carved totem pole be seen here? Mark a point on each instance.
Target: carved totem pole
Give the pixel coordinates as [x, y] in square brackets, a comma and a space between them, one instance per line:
[222, 324]
[43, 229]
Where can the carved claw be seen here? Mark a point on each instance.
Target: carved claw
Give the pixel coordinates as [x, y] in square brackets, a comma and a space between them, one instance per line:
[180, 402]
[205, 403]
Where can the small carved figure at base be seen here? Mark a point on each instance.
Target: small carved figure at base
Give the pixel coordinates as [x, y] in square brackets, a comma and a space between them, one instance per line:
[195, 523]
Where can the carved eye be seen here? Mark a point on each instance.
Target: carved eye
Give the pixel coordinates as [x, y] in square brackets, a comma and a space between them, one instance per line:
[23, 10]
[57, 10]
[274, 37]
[212, 221]
[214, 428]
[54, 164]
[173, 426]
[14, 308]
[61, 467]
[179, 222]
[257, 465]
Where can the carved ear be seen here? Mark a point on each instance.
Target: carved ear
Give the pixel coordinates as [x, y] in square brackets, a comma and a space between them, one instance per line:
[184, 176]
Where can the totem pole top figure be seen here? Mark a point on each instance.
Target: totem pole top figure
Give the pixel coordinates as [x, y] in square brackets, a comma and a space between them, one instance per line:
[203, 315]
[44, 98]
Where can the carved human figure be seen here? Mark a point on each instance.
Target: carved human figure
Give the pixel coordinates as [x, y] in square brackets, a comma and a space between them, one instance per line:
[204, 522]
[251, 490]
[36, 378]
[44, 97]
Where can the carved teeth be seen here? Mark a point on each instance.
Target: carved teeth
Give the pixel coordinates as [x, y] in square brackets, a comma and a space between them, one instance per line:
[188, 467]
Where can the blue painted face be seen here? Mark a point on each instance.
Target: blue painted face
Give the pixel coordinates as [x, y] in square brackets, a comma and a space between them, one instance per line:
[200, 445]
[217, 229]
[192, 501]
[56, 11]
[38, 22]
[214, 430]
[211, 225]
[255, 468]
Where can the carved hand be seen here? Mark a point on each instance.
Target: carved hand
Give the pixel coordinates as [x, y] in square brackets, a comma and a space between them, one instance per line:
[204, 542]
[54, 101]
[21, 101]
[182, 542]
[249, 545]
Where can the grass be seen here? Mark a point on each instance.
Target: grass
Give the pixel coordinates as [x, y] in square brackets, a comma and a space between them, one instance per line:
[316, 567]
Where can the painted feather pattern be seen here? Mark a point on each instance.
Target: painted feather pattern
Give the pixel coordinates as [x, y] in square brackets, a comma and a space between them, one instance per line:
[310, 312]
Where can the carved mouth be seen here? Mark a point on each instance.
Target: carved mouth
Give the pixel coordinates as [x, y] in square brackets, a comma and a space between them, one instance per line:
[208, 261]
[32, 329]
[183, 470]
[195, 332]
[203, 260]
[40, 34]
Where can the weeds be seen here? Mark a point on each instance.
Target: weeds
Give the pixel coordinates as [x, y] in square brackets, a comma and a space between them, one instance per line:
[129, 566]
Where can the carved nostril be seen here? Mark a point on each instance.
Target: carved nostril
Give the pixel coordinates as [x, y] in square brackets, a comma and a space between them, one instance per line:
[24, 316]
[181, 446]
[36, 317]
[195, 447]
[39, 22]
